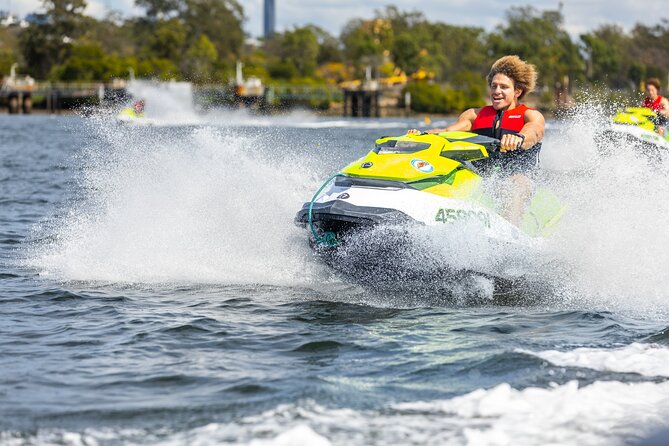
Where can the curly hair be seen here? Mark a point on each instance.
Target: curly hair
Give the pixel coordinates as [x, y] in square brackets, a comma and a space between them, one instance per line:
[655, 82]
[523, 74]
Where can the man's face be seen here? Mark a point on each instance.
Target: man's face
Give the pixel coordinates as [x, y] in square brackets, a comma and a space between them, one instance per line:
[503, 92]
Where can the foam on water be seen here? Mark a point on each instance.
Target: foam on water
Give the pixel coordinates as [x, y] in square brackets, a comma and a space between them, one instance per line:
[166, 103]
[613, 237]
[644, 359]
[446, 264]
[199, 206]
[185, 205]
[602, 413]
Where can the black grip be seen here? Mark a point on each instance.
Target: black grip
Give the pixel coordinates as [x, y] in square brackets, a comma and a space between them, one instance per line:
[496, 143]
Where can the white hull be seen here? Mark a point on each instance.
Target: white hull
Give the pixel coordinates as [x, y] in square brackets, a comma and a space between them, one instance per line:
[428, 209]
[637, 135]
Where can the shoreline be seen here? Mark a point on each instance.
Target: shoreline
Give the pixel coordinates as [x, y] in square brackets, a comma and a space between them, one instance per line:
[321, 113]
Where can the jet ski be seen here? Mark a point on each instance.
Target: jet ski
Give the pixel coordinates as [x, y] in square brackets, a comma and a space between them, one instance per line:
[134, 115]
[421, 180]
[129, 116]
[633, 126]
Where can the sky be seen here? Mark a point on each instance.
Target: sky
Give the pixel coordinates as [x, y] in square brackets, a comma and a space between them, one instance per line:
[331, 15]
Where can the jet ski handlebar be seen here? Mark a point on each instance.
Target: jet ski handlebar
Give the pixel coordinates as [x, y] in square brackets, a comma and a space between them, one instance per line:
[497, 142]
[492, 144]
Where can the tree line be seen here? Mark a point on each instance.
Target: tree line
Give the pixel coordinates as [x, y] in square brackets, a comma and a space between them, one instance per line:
[201, 41]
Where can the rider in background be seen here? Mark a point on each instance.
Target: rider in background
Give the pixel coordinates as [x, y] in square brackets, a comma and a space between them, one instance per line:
[138, 107]
[657, 103]
[519, 128]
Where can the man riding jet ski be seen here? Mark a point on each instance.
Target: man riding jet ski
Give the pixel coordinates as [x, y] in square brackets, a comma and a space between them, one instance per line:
[134, 115]
[428, 202]
[642, 127]
[635, 127]
[437, 178]
[519, 128]
[658, 104]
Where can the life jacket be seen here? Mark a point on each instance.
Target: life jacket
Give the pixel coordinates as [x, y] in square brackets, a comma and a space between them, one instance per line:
[495, 123]
[653, 105]
[488, 123]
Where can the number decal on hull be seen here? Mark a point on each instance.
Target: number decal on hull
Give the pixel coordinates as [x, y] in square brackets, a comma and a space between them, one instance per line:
[446, 215]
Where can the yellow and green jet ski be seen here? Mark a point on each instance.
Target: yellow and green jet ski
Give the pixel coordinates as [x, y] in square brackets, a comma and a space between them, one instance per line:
[427, 179]
[129, 115]
[633, 127]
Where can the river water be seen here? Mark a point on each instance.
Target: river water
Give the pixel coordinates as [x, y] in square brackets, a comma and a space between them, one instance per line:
[154, 291]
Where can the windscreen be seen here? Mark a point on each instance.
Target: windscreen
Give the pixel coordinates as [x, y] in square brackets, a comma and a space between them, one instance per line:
[395, 146]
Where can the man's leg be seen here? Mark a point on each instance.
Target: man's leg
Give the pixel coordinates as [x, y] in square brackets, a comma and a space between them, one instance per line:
[521, 189]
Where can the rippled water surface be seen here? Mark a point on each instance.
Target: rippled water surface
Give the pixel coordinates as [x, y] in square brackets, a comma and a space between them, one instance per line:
[154, 290]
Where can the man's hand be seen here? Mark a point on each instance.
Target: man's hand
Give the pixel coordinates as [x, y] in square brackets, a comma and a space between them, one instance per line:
[509, 143]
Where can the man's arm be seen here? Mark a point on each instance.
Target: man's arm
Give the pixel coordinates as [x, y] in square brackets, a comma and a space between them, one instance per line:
[533, 130]
[665, 107]
[463, 124]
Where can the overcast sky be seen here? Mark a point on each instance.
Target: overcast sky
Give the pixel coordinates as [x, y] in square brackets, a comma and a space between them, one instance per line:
[332, 15]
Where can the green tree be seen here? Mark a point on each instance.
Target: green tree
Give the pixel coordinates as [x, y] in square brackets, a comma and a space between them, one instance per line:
[540, 38]
[301, 47]
[432, 98]
[7, 59]
[9, 51]
[220, 21]
[436, 47]
[38, 50]
[44, 45]
[167, 40]
[85, 63]
[407, 52]
[460, 48]
[365, 41]
[160, 9]
[200, 59]
[282, 69]
[329, 47]
[163, 69]
[294, 53]
[401, 21]
[112, 33]
[160, 45]
[473, 87]
[649, 47]
[88, 62]
[607, 60]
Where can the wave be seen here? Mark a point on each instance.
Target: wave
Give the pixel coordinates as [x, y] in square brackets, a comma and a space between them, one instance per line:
[602, 413]
[644, 359]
